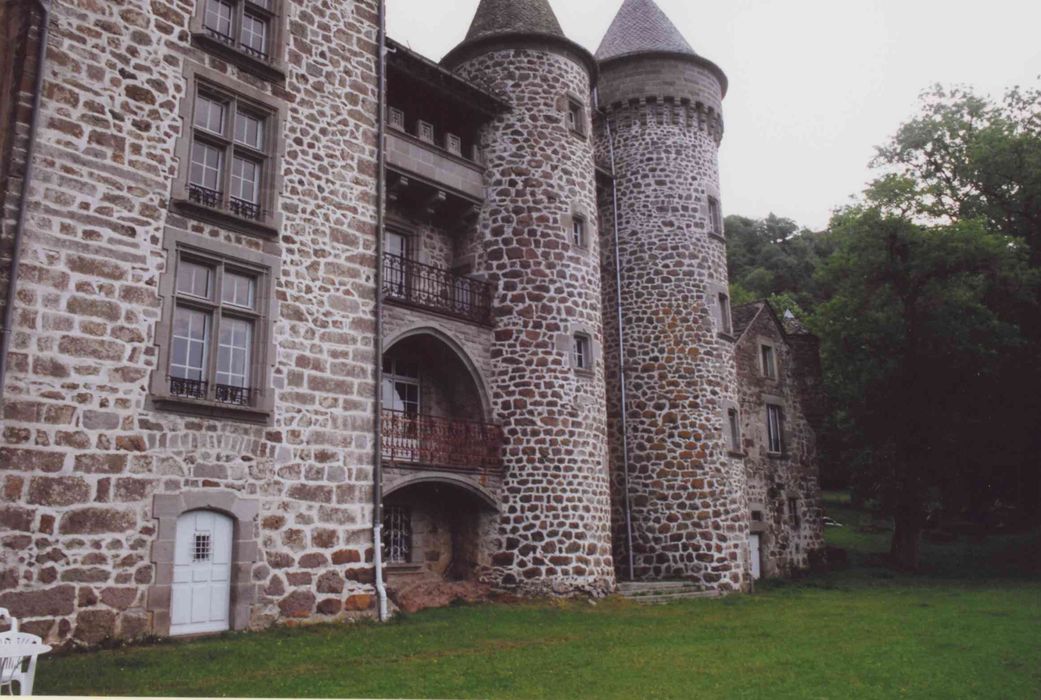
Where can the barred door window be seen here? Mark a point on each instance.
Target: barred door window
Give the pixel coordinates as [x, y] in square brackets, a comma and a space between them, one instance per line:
[230, 160]
[245, 25]
[213, 338]
[397, 534]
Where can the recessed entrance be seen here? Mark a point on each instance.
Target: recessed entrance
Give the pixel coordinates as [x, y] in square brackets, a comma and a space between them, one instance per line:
[201, 589]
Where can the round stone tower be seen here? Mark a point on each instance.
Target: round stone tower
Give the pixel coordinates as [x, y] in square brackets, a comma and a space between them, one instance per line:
[540, 248]
[679, 511]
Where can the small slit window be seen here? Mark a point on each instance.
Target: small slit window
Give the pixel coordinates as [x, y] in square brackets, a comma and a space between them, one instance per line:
[715, 216]
[734, 426]
[576, 117]
[725, 324]
[578, 231]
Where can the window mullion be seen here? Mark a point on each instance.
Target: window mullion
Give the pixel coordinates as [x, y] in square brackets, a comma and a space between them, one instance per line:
[229, 149]
[218, 317]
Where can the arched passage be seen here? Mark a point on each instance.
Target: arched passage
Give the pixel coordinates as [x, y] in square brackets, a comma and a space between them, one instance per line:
[436, 528]
[436, 406]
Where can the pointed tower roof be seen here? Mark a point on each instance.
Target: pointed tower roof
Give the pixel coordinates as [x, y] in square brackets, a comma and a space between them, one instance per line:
[514, 23]
[641, 27]
[513, 17]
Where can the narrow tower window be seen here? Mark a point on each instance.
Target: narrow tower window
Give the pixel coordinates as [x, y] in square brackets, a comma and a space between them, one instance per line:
[578, 232]
[715, 216]
[769, 361]
[582, 352]
[725, 323]
[734, 424]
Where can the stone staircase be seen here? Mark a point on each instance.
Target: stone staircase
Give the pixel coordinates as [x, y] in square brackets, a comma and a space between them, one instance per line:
[662, 591]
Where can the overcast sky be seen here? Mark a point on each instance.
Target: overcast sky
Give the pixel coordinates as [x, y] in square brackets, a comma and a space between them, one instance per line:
[815, 85]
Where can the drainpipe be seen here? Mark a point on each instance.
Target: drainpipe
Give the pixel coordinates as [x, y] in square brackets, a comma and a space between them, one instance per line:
[621, 340]
[7, 330]
[381, 205]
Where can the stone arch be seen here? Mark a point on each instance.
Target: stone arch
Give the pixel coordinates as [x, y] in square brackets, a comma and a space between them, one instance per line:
[478, 377]
[167, 508]
[479, 492]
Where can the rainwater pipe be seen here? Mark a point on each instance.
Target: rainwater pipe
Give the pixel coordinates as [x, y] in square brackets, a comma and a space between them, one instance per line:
[381, 205]
[623, 398]
[7, 330]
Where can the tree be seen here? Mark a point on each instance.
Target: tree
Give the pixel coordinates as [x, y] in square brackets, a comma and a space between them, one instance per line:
[910, 337]
[965, 158]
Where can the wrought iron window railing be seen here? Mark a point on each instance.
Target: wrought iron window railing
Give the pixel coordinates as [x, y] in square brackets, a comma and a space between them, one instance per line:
[435, 288]
[222, 393]
[247, 210]
[409, 439]
[220, 36]
[214, 199]
[205, 196]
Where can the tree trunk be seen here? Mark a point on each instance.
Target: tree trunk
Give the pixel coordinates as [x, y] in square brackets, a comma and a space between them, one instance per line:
[905, 550]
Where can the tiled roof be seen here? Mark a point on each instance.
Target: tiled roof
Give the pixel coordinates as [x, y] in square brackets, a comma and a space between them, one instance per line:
[513, 17]
[742, 316]
[641, 27]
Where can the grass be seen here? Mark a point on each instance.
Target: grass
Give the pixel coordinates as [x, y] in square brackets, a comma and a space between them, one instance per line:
[968, 628]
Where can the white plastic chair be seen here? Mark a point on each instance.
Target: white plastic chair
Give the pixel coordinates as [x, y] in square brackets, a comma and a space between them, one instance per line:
[5, 618]
[18, 652]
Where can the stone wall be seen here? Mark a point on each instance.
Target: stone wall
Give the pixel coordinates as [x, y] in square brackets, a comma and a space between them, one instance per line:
[790, 541]
[554, 533]
[85, 455]
[686, 492]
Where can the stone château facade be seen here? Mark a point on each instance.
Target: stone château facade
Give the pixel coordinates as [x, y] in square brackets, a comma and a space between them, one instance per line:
[262, 365]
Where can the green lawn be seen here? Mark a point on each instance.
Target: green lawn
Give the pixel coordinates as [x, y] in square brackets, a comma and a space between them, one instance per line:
[970, 628]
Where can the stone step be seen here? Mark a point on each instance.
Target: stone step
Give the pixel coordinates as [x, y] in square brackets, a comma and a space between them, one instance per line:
[659, 598]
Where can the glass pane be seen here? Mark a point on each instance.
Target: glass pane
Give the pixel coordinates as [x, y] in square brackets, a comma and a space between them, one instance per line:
[249, 130]
[207, 163]
[254, 33]
[190, 339]
[397, 244]
[239, 290]
[194, 279]
[218, 17]
[234, 352]
[210, 113]
[245, 180]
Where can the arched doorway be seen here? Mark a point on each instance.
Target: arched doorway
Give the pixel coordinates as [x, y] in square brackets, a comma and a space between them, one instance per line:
[201, 590]
[437, 528]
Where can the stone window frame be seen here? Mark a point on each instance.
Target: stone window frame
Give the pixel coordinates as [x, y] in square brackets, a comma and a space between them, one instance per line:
[566, 345]
[267, 267]
[202, 79]
[735, 449]
[778, 403]
[579, 213]
[273, 67]
[763, 343]
[714, 213]
[572, 105]
[724, 325]
[167, 508]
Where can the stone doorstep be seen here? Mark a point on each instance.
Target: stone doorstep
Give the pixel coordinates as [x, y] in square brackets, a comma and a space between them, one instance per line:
[670, 597]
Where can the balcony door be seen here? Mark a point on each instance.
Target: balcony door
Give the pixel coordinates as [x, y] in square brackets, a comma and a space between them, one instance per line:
[401, 395]
[398, 252]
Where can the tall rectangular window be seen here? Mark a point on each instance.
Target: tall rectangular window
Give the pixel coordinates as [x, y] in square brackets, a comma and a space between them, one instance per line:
[734, 426]
[578, 231]
[774, 429]
[726, 325]
[231, 156]
[793, 512]
[582, 352]
[769, 361]
[213, 333]
[244, 25]
[715, 216]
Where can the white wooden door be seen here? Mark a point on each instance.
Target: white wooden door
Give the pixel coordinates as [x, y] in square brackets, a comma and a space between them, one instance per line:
[755, 555]
[201, 592]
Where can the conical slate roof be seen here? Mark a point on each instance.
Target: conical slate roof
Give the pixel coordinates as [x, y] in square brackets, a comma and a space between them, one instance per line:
[641, 27]
[496, 17]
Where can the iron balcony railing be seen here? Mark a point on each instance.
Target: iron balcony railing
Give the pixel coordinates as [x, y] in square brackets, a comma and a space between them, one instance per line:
[429, 287]
[222, 393]
[445, 443]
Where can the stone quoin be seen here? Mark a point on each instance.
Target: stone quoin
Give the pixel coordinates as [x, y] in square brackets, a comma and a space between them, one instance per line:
[228, 309]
